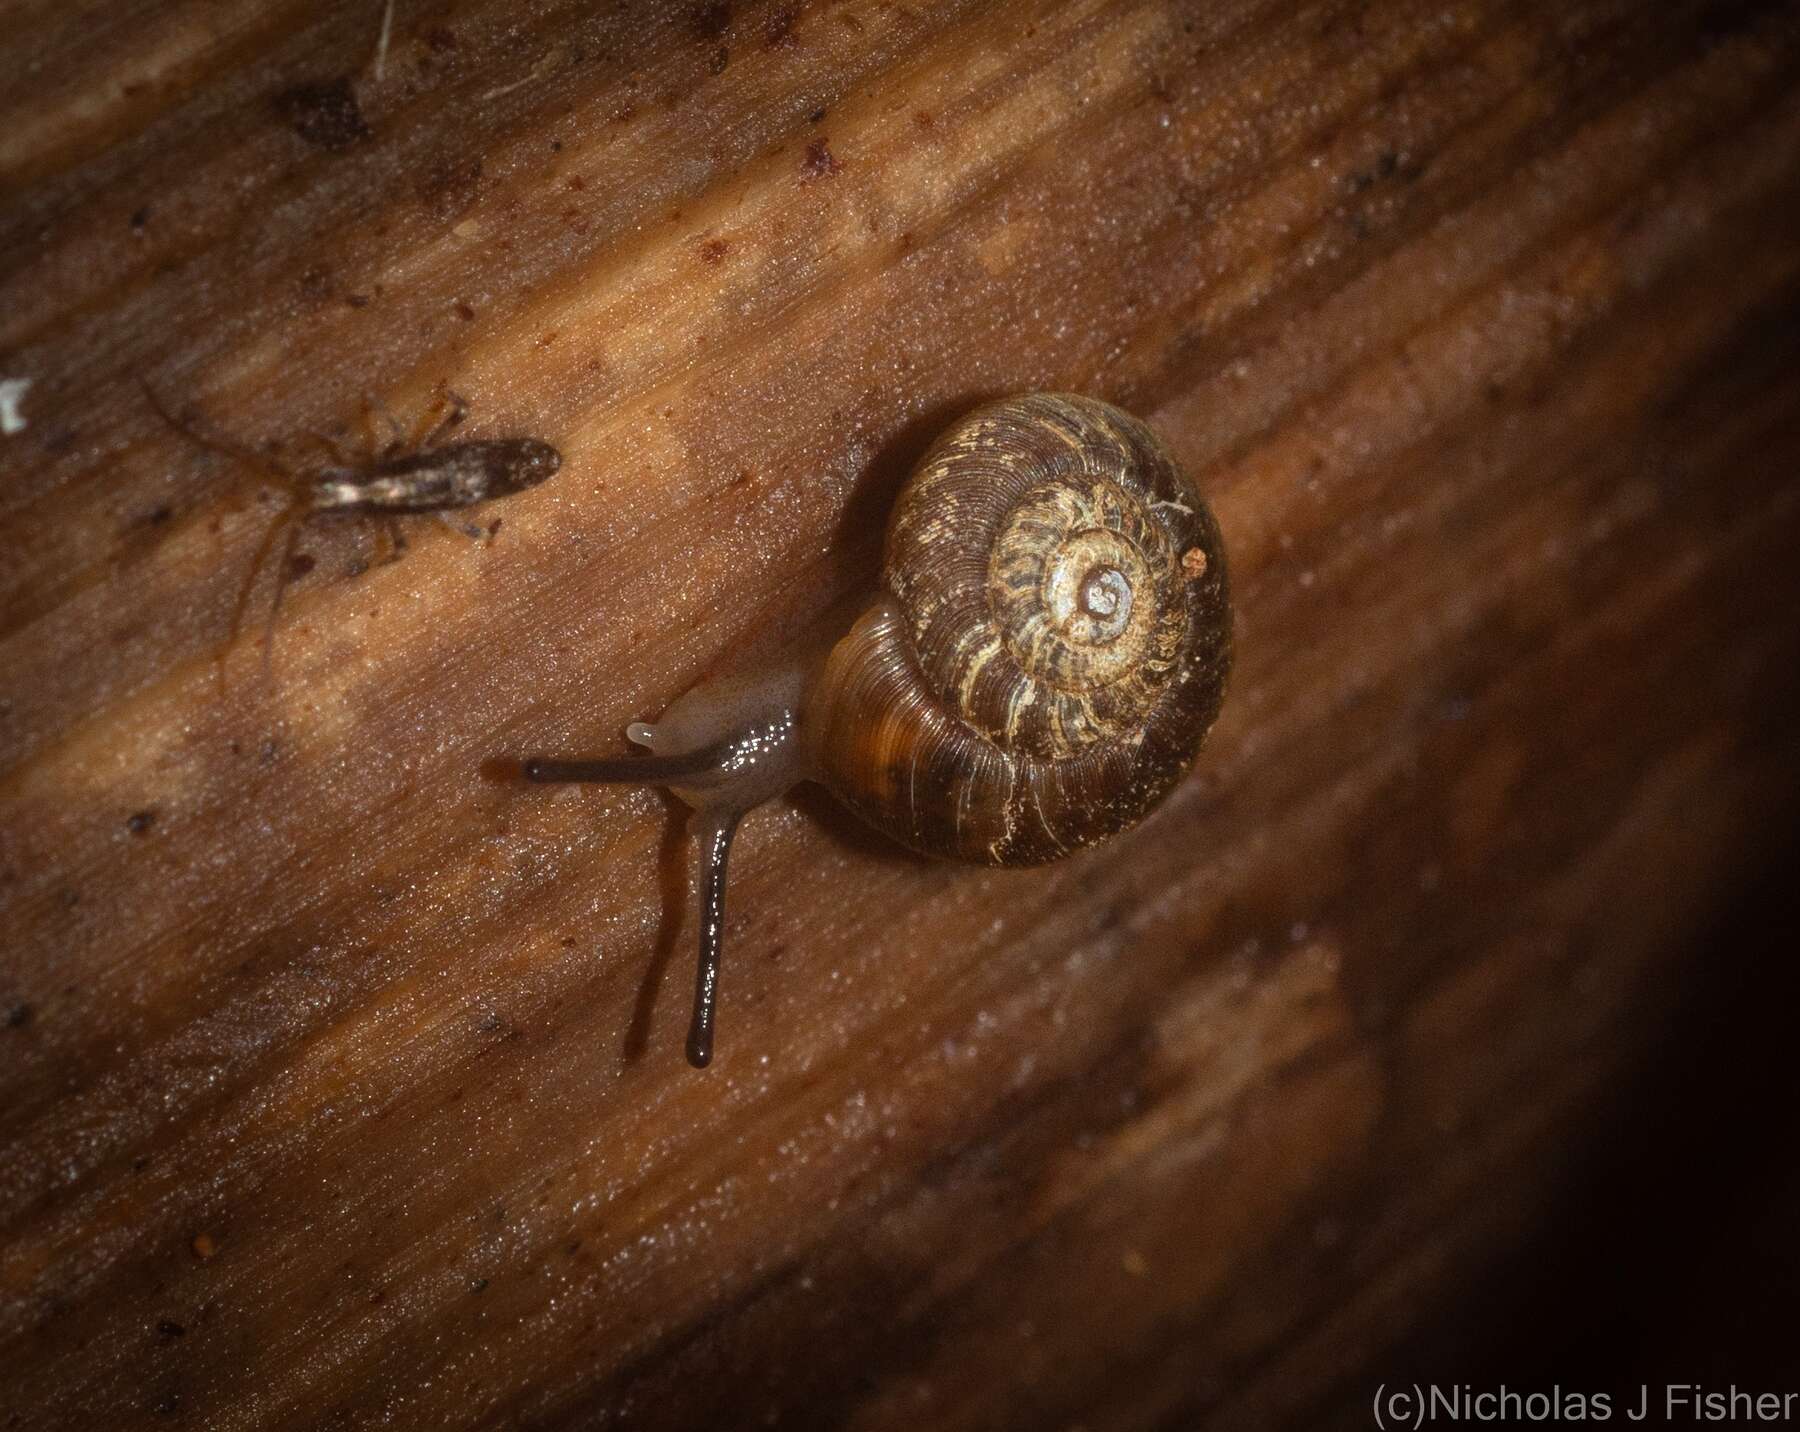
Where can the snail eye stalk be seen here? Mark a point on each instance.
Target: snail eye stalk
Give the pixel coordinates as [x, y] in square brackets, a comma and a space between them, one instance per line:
[627, 770]
[717, 827]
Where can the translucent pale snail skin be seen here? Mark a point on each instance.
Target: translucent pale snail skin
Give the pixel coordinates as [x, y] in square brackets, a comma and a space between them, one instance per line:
[1044, 659]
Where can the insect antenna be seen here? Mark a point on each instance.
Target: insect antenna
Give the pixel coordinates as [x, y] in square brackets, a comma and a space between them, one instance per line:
[218, 442]
[283, 575]
[288, 521]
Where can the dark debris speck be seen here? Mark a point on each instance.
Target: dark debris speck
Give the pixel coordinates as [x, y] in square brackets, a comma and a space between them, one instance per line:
[324, 114]
[18, 1016]
[1386, 165]
[450, 187]
[711, 21]
[140, 821]
[820, 162]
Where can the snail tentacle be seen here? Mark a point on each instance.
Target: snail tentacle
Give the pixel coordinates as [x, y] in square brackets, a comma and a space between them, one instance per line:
[718, 827]
[627, 770]
[724, 748]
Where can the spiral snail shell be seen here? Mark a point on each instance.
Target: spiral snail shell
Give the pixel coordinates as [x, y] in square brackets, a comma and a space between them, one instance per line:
[1048, 650]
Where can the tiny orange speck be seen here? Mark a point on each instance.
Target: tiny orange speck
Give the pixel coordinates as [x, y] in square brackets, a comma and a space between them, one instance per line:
[204, 1247]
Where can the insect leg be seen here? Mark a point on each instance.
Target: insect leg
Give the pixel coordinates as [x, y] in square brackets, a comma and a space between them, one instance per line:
[465, 529]
[288, 521]
[396, 434]
[390, 541]
[332, 449]
[283, 575]
[458, 410]
[261, 462]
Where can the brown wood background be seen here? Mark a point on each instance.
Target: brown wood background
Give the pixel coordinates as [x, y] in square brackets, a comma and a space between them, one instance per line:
[339, 1087]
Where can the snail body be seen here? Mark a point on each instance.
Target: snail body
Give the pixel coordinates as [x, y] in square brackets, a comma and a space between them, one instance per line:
[1046, 653]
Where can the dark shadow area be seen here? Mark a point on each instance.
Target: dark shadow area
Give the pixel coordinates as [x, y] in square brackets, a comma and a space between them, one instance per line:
[672, 876]
[863, 526]
[1673, 1256]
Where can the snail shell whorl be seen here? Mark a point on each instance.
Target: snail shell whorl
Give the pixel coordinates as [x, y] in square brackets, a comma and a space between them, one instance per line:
[1052, 646]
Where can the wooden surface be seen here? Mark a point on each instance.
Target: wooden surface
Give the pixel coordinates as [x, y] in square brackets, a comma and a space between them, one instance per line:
[339, 1087]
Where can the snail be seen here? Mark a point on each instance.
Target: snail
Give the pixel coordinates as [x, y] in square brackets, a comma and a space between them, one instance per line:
[1046, 653]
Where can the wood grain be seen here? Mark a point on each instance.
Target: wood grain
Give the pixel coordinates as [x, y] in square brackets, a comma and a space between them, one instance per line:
[340, 1087]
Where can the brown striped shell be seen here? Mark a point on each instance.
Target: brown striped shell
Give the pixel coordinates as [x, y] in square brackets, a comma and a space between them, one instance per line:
[1051, 647]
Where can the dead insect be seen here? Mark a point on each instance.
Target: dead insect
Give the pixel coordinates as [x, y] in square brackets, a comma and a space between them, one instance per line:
[422, 474]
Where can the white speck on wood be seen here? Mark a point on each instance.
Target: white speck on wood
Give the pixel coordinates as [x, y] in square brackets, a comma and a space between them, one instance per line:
[12, 396]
